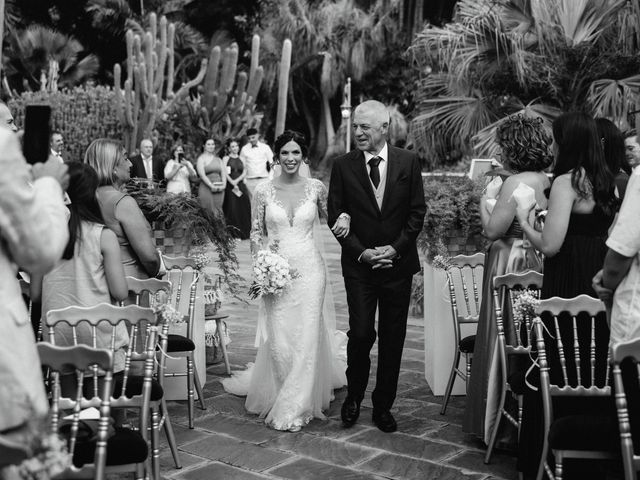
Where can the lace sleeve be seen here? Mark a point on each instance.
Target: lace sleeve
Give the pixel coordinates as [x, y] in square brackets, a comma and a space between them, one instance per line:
[322, 199]
[258, 226]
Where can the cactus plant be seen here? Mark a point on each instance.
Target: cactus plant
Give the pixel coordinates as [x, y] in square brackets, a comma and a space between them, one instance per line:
[283, 86]
[147, 92]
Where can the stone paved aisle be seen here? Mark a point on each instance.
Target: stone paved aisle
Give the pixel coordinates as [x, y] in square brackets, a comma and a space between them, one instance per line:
[228, 443]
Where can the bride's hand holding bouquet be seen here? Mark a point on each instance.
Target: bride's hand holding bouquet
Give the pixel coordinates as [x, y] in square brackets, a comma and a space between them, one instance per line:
[272, 273]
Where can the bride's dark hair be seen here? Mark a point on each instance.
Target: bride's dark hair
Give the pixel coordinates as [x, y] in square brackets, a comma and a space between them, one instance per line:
[290, 136]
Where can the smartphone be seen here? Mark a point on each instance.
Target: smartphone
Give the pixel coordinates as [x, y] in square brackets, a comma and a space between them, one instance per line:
[180, 156]
[37, 130]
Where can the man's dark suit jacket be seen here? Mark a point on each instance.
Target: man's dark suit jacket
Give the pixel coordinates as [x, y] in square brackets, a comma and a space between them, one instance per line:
[399, 221]
[137, 168]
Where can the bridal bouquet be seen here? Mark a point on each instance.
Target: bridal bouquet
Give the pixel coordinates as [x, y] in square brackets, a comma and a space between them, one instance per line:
[272, 273]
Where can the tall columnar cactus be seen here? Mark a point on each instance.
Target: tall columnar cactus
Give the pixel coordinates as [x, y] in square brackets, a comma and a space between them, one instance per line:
[228, 102]
[283, 86]
[147, 92]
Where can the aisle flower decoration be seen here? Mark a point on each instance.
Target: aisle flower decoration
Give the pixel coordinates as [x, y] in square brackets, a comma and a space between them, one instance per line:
[272, 273]
[202, 260]
[525, 303]
[441, 262]
[168, 313]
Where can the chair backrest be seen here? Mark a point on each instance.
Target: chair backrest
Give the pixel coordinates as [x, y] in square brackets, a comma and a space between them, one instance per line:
[464, 275]
[102, 326]
[86, 362]
[183, 272]
[626, 393]
[514, 336]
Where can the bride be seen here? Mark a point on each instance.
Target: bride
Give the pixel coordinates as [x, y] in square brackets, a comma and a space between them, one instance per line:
[301, 357]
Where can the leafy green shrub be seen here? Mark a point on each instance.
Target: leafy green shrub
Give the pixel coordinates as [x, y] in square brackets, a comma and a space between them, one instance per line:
[452, 212]
[81, 114]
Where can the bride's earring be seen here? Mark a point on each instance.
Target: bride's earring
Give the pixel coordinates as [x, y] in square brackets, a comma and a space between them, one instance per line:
[305, 160]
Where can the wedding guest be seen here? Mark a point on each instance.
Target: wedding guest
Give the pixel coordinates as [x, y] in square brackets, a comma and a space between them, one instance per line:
[620, 274]
[614, 153]
[525, 153]
[90, 272]
[632, 148]
[236, 205]
[582, 205]
[213, 181]
[120, 211]
[179, 172]
[33, 235]
[57, 145]
[257, 158]
[145, 165]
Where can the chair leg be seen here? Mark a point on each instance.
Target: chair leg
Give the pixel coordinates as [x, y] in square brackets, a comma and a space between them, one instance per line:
[190, 389]
[496, 424]
[558, 456]
[452, 378]
[155, 442]
[542, 467]
[468, 358]
[198, 387]
[168, 430]
[223, 346]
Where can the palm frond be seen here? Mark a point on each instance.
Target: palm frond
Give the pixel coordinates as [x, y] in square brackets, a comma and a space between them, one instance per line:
[613, 99]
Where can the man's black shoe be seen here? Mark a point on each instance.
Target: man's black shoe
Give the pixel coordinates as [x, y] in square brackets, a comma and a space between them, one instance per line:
[350, 412]
[385, 421]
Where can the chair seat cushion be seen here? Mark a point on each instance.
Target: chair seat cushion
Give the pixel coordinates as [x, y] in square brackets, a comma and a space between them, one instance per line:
[179, 343]
[134, 387]
[467, 344]
[124, 447]
[585, 432]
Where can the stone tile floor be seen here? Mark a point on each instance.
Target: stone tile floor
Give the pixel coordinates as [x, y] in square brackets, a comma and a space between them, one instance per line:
[228, 443]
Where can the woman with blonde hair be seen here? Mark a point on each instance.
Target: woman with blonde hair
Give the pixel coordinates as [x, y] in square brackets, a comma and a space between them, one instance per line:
[120, 211]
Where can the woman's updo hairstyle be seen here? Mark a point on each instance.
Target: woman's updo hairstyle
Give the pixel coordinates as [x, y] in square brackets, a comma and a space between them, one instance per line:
[290, 136]
[524, 144]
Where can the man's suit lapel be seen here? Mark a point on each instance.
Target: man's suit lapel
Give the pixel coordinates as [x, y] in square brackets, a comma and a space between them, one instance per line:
[393, 172]
[360, 170]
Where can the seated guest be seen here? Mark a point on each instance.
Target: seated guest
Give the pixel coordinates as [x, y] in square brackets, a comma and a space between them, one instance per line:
[525, 153]
[120, 211]
[33, 235]
[582, 205]
[632, 149]
[178, 172]
[614, 153]
[90, 271]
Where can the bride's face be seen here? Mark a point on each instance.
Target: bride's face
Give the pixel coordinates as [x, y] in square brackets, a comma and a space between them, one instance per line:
[290, 157]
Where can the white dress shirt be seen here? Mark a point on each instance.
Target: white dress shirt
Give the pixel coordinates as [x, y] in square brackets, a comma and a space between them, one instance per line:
[57, 155]
[255, 159]
[382, 166]
[148, 166]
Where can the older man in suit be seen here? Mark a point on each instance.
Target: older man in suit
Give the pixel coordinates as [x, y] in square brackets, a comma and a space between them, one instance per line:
[146, 165]
[378, 189]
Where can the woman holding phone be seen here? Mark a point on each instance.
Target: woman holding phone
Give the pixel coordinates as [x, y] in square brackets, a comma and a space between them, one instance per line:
[178, 172]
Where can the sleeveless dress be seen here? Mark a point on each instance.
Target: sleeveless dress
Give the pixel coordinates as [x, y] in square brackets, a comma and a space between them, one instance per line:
[209, 200]
[567, 274]
[81, 281]
[505, 255]
[108, 199]
[237, 210]
[302, 359]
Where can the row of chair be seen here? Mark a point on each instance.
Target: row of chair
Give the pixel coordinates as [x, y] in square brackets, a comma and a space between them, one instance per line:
[576, 370]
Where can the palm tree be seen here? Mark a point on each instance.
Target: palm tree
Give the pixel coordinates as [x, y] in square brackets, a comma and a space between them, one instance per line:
[41, 56]
[536, 57]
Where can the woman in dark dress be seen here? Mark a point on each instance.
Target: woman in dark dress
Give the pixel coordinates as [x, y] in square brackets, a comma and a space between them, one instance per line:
[614, 153]
[237, 203]
[525, 153]
[582, 205]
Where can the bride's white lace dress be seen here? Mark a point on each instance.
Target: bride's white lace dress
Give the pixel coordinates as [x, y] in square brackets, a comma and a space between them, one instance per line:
[302, 359]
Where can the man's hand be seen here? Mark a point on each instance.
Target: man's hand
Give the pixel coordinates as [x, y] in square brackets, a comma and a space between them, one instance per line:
[604, 294]
[341, 227]
[52, 168]
[384, 257]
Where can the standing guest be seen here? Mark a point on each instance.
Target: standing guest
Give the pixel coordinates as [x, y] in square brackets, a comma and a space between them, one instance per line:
[380, 188]
[582, 205]
[57, 145]
[632, 148]
[213, 181]
[6, 118]
[614, 153]
[257, 158]
[120, 211]
[237, 205]
[179, 172]
[145, 165]
[91, 271]
[525, 153]
[33, 235]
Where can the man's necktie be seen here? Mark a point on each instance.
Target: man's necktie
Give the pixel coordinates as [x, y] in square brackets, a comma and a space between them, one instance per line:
[374, 173]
